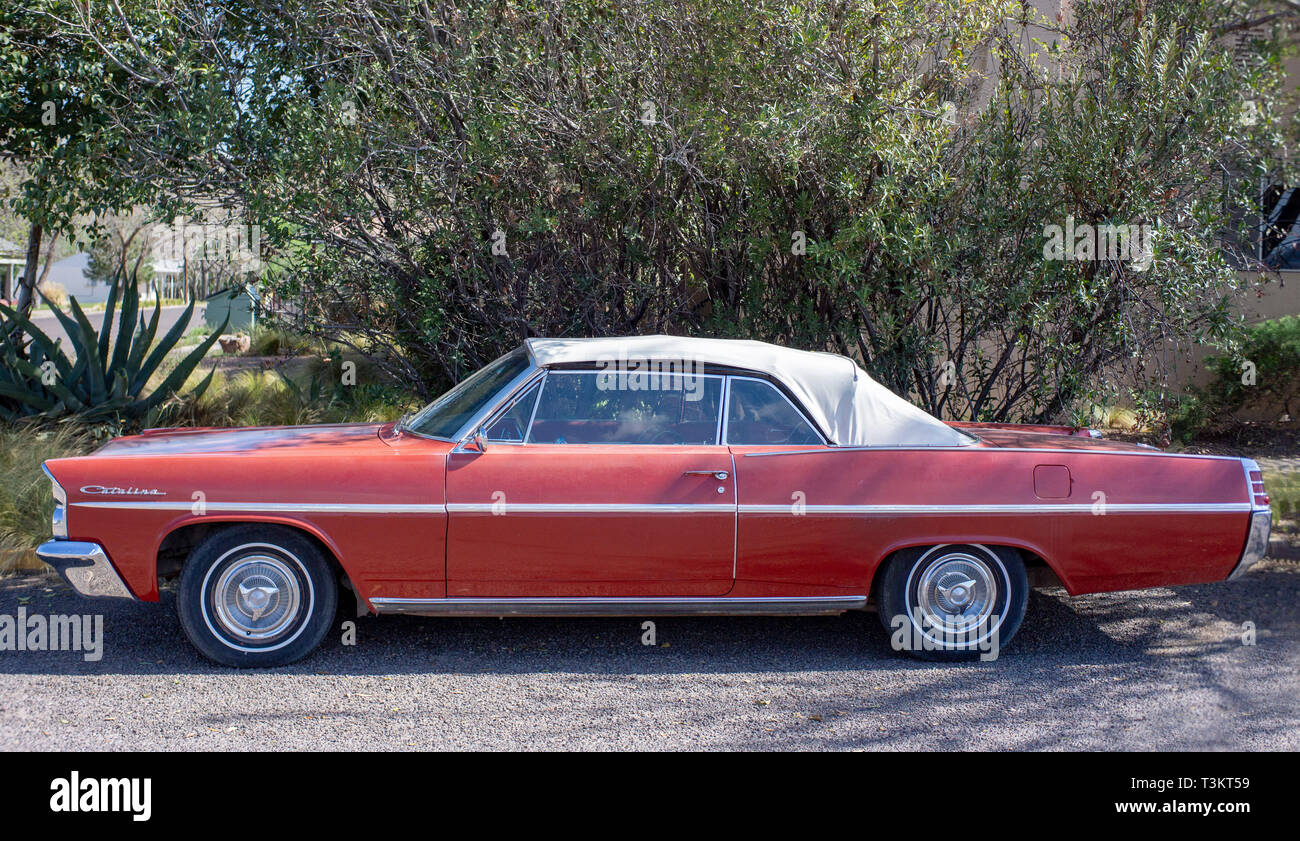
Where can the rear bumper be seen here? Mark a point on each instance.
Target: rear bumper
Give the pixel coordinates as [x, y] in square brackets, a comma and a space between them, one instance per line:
[86, 567]
[1261, 522]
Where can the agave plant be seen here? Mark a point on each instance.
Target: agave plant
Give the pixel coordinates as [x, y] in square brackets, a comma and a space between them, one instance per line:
[106, 376]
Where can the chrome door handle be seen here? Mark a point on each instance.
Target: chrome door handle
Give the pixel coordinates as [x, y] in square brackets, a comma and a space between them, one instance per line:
[716, 474]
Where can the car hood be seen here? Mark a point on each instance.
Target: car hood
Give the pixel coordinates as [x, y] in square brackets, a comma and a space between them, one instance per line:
[251, 439]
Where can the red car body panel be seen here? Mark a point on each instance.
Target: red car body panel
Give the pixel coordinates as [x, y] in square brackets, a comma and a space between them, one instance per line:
[498, 547]
[423, 522]
[260, 475]
[1092, 543]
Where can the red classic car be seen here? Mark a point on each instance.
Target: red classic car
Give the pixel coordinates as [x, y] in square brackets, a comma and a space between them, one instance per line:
[644, 476]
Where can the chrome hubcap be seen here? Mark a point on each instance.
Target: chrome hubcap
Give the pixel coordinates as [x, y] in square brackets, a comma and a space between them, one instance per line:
[257, 597]
[957, 594]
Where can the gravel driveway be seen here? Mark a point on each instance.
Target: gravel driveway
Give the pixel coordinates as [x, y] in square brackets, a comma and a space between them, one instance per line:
[1162, 669]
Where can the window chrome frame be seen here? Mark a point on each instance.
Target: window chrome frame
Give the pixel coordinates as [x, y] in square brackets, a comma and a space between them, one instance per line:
[466, 430]
[509, 403]
[565, 371]
[502, 400]
[534, 374]
[793, 405]
[722, 410]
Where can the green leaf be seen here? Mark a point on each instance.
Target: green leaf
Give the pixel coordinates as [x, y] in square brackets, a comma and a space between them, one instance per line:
[165, 345]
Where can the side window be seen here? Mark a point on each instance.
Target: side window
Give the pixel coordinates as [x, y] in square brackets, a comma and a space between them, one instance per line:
[759, 414]
[511, 426]
[581, 407]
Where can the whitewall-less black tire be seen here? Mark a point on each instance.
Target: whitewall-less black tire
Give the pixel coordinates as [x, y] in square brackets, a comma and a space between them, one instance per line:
[256, 596]
[953, 602]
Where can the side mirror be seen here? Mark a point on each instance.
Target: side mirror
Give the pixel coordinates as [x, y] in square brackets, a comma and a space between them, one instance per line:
[479, 442]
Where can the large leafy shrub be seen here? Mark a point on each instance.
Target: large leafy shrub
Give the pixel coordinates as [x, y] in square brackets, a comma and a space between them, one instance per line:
[1266, 371]
[440, 180]
[1262, 378]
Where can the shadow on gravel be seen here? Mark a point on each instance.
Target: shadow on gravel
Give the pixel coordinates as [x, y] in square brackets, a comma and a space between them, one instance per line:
[1058, 632]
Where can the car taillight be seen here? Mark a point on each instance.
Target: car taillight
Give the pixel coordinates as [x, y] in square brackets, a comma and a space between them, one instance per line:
[1257, 488]
[1255, 484]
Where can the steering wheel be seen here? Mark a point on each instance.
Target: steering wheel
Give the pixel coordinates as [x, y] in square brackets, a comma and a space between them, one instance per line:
[800, 435]
[667, 436]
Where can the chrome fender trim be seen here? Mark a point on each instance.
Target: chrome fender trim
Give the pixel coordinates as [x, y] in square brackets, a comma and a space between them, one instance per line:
[86, 567]
[597, 606]
[1256, 542]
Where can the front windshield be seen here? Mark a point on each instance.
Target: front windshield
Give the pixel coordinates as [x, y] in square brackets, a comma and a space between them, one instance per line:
[444, 417]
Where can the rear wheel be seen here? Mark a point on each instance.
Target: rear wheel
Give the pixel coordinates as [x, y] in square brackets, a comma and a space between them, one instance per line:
[953, 602]
[256, 596]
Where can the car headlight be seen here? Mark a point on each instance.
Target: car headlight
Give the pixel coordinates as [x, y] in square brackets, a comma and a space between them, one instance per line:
[59, 522]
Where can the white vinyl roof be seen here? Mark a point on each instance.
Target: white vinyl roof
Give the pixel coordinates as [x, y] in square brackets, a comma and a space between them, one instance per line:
[845, 403]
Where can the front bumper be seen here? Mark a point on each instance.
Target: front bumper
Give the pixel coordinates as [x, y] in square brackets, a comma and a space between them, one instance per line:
[1261, 522]
[86, 567]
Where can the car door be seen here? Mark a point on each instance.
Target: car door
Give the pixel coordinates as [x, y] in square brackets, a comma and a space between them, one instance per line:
[592, 486]
[785, 540]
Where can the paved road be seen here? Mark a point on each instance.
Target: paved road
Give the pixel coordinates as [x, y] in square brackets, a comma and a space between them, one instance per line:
[1279, 465]
[1162, 669]
[170, 315]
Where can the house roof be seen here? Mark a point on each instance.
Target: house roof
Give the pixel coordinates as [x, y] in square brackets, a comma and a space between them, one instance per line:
[849, 407]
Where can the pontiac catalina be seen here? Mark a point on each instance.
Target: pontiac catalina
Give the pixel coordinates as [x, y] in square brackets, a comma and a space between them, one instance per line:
[643, 476]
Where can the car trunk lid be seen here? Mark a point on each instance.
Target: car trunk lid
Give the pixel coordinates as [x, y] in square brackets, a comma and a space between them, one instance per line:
[1037, 437]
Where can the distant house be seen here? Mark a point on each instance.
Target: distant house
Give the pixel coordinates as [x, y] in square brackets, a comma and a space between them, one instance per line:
[239, 302]
[70, 273]
[169, 278]
[12, 262]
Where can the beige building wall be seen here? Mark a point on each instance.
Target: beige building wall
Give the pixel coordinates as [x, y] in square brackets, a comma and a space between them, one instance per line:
[1265, 295]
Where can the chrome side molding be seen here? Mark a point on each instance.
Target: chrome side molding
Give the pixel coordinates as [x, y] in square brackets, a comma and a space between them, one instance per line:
[280, 507]
[972, 447]
[615, 606]
[1013, 508]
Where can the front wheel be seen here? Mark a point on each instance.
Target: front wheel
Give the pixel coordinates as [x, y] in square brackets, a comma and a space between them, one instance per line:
[256, 596]
[953, 602]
